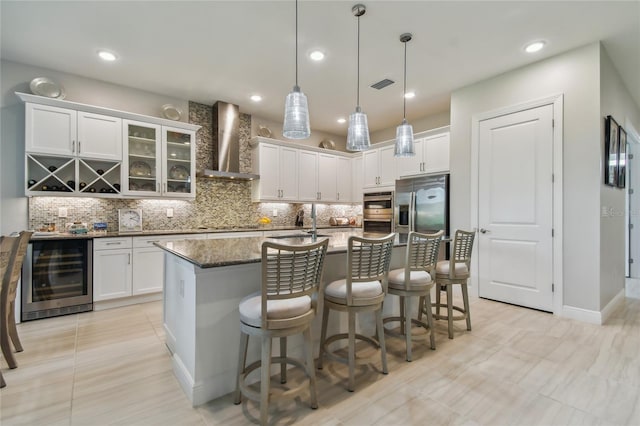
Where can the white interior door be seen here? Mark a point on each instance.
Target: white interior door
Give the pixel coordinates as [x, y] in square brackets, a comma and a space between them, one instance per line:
[515, 208]
[633, 205]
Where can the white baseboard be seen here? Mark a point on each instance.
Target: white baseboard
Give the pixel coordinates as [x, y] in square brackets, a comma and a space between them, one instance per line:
[126, 301]
[593, 317]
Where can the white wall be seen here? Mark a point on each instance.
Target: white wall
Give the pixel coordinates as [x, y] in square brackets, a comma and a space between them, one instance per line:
[434, 121]
[314, 140]
[614, 101]
[575, 74]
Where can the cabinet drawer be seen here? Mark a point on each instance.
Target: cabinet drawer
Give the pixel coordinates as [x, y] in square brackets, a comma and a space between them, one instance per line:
[111, 243]
[141, 242]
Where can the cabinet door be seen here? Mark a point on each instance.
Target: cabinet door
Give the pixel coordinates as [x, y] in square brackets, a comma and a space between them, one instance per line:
[344, 180]
[99, 136]
[50, 130]
[308, 176]
[357, 179]
[142, 159]
[436, 156]
[387, 166]
[409, 166]
[148, 270]
[111, 274]
[288, 173]
[327, 177]
[178, 166]
[267, 165]
[370, 164]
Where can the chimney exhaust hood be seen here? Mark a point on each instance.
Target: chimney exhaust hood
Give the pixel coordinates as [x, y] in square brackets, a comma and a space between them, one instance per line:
[226, 144]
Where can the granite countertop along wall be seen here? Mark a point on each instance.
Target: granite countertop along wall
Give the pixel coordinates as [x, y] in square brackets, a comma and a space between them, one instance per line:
[249, 228]
[238, 251]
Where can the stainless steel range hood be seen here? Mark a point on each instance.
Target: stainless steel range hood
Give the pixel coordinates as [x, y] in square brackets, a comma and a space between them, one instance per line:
[226, 144]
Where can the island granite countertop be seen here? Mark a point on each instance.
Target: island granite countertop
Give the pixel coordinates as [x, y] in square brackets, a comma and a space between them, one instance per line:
[238, 251]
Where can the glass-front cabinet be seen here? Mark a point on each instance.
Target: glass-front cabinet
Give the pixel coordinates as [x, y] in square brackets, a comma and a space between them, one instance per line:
[159, 161]
[178, 147]
[142, 162]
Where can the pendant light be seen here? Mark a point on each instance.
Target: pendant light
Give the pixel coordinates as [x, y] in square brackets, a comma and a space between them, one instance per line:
[358, 133]
[404, 132]
[296, 109]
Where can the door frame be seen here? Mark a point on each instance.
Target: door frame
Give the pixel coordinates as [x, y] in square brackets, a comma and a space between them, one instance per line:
[557, 100]
[633, 139]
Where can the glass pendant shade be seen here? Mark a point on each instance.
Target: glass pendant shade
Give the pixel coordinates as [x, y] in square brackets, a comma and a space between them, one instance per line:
[296, 116]
[404, 140]
[358, 133]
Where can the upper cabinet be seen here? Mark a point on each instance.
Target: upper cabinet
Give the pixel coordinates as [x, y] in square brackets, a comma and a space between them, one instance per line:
[291, 174]
[61, 131]
[159, 160]
[432, 156]
[278, 169]
[379, 167]
[76, 149]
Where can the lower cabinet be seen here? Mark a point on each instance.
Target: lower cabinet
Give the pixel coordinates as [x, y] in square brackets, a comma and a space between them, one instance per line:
[112, 266]
[130, 266]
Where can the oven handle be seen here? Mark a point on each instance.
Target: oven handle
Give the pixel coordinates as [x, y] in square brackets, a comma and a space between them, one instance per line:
[412, 211]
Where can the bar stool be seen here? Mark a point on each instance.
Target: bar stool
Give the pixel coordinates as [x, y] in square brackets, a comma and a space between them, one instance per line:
[8, 246]
[286, 306]
[415, 280]
[363, 289]
[8, 301]
[456, 270]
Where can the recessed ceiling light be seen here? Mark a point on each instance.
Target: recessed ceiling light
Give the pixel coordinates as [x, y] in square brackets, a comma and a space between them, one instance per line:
[256, 98]
[316, 55]
[410, 95]
[534, 47]
[342, 120]
[106, 55]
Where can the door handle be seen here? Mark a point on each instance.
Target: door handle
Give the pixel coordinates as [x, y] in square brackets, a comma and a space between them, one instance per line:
[78, 147]
[73, 147]
[484, 231]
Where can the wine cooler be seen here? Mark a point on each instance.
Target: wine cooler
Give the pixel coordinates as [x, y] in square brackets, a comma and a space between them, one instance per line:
[57, 278]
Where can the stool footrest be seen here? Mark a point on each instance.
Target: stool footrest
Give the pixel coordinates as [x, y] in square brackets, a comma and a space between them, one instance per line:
[255, 395]
[444, 317]
[359, 360]
[417, 322]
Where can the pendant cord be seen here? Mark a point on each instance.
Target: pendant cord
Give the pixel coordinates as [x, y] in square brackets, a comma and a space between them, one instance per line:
[296, 43]
[404, 93]
[358, 67]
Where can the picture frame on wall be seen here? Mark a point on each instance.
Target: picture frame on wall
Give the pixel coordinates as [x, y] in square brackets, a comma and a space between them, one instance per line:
[611, 144]
[622, 157]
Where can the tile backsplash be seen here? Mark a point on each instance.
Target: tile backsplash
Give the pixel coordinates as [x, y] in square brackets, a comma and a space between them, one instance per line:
[218, 203]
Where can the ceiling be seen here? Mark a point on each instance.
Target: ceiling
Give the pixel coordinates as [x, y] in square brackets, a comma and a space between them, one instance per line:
[228, 50]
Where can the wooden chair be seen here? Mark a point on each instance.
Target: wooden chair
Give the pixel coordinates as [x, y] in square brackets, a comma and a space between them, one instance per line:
[291, 276]
[8, 301]
[8, 246]
[456, 270]
[416, 279]
[363, 289]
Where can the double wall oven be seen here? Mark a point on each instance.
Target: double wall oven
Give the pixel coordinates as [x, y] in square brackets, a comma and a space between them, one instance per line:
[57, 278]
[377, 212]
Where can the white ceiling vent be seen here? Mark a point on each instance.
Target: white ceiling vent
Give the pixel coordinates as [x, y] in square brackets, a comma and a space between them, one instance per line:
[382, 84]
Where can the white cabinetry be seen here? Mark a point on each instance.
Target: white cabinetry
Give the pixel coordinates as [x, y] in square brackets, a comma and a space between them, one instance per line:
[344, 180]
[130, 266]
[308, 176]
[357, 174]
[159, 160]
[278, 170]
[327, 177]
[379, 167]
[62, 131]
[112, 266]
[432, 156]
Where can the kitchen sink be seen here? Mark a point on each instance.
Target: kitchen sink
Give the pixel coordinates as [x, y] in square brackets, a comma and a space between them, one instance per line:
[280, 237]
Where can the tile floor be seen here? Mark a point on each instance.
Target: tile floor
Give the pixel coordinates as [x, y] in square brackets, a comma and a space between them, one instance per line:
[517, 367]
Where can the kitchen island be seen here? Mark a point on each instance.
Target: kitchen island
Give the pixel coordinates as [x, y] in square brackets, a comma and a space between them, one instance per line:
[203, 285]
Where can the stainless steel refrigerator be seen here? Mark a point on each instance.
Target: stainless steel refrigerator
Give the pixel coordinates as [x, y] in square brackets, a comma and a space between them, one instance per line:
[422, 204]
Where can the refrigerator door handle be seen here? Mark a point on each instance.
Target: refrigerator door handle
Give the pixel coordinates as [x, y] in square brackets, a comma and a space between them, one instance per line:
[412, 211]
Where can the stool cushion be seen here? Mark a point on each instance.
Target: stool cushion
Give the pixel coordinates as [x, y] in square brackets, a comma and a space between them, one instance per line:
[442, 268]
[251, 307]
[417, 279]
[361, 290]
